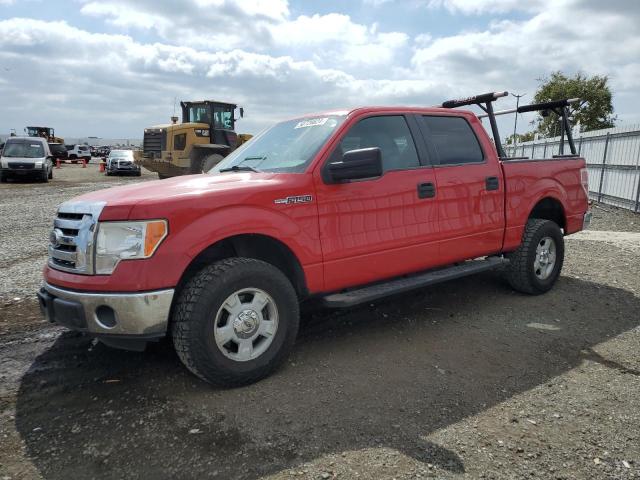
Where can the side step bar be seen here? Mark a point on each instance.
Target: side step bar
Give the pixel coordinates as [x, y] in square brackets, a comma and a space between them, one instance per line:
[405, 284]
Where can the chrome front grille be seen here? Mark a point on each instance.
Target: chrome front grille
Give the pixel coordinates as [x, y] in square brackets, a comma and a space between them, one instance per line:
[73, 236]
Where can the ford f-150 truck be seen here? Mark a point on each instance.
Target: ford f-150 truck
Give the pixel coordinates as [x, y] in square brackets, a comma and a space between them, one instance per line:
[346, 207]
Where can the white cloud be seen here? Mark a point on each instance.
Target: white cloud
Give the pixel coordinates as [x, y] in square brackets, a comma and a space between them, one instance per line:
[513, 54]
[257, 25]
[276, 65]
[488, 6]
[136, 82]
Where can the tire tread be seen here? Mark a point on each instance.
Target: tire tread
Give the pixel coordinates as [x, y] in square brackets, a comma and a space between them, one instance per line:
[191, 349]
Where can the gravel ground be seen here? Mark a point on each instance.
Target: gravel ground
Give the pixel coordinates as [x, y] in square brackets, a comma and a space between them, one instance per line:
[462, 380]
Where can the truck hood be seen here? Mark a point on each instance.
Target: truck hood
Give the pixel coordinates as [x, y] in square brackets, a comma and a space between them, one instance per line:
[186, 188]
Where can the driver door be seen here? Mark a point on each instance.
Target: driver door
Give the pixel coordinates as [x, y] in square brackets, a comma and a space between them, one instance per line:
[381, 227]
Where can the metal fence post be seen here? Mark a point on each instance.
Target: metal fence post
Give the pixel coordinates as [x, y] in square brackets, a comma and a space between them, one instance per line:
[637, 206]
[637, 193]
[544, 152]
[604, 163]
[533, 149]
[580, 145]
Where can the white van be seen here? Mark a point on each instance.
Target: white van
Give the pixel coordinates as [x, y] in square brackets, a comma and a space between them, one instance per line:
[26, 157]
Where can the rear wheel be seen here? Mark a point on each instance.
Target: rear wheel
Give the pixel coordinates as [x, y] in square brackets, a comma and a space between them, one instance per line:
[535, 266]
[235, 321]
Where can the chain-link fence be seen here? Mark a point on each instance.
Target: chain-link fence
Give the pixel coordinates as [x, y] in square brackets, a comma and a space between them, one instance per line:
[613, 161]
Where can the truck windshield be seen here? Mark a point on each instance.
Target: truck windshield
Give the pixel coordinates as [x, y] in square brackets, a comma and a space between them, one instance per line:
[23, 149]
[286, 147]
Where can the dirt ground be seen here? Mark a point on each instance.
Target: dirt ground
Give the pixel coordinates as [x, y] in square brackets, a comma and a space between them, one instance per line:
[466, 379]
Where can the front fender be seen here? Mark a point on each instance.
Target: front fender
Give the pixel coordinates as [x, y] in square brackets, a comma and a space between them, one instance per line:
[295, 226]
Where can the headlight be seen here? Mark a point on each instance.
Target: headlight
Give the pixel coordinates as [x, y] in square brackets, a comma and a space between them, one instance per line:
[38, 164]
[127, 241]
[202, 132]
[4, 163]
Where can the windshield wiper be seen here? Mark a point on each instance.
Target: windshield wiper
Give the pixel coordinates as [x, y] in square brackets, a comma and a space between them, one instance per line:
[239, 168]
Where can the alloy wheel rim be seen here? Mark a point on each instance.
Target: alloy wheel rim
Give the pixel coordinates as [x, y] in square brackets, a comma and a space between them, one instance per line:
[545, 259]
[246, 324]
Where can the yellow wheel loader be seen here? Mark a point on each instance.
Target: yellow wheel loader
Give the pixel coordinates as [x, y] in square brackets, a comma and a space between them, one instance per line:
[44, 132]
[205, 136]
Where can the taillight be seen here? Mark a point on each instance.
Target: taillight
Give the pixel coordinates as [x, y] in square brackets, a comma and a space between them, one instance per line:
[584, 180]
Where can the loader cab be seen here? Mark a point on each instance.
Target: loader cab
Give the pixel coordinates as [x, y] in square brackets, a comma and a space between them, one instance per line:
[42, 132]
[218, 115]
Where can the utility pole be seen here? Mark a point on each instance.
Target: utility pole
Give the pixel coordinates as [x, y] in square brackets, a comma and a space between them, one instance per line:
[515, 122]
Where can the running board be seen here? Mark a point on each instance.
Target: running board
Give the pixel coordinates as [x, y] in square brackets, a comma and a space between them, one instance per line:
[405, 284]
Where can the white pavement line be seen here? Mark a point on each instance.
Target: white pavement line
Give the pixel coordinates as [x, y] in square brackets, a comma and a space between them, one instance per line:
[622, 239]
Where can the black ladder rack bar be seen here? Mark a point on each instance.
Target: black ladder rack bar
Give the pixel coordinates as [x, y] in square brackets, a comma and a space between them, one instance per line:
[559, 107]
[487, 99]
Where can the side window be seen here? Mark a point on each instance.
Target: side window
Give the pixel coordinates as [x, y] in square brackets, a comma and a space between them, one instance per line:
[180, 141]
[389, 133]
[453, 139]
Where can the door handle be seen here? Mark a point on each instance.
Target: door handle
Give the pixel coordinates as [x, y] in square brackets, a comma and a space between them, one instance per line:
[492, 183]
[426, 190]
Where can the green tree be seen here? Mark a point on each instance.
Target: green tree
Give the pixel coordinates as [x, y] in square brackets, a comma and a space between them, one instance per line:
[593, 111]
[520, 137]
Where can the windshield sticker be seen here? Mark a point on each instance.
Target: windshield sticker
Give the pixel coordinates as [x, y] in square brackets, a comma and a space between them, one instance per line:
[312, 122]
[36, 145]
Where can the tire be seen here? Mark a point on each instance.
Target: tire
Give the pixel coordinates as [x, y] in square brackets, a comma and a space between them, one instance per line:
[139, 173]
[50, 173]
[162, 176]
[210, 161]
[201, 316]
[204, 164]
[530, 270]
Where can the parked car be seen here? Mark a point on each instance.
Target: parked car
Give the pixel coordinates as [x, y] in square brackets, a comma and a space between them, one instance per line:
[121, 161]
[103, 151]
[78, 152]
[93, 150]
[58, 151]
[345, 208]
[26, 157]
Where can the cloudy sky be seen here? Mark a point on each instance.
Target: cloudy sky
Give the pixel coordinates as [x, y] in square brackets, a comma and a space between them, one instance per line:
[111, 67]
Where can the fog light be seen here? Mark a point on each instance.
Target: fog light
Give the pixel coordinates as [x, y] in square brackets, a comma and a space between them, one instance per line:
[106, 316]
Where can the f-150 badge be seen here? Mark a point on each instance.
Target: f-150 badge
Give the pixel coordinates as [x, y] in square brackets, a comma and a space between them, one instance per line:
[294, 199]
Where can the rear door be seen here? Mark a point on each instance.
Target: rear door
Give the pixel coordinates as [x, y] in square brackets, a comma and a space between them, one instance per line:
[382, 227]
[470, 198]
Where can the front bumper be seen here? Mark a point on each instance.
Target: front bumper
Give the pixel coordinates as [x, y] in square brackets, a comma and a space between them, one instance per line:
[142, 315]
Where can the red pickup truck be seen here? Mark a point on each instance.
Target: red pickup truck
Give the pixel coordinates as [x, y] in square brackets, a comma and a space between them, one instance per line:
[346, 207]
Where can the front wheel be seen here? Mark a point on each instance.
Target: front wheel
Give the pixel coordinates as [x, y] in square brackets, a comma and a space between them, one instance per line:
[235, 321]
[535, 266]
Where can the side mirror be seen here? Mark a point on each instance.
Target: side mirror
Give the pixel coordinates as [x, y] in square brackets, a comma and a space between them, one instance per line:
[356, 165]
[241, 112]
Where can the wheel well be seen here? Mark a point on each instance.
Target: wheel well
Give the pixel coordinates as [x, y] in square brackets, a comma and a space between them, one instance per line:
[549, 209]
[260, 247]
